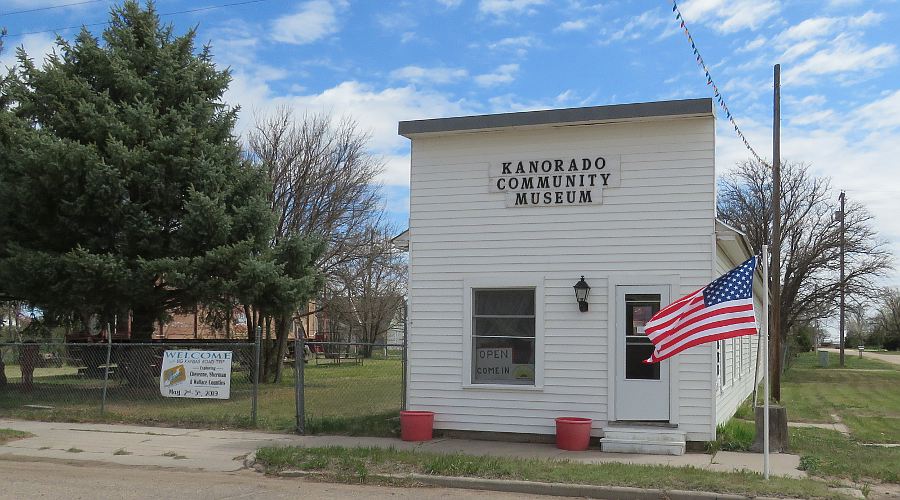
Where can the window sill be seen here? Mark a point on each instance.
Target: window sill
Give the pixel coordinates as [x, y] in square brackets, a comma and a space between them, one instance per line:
[504, 387]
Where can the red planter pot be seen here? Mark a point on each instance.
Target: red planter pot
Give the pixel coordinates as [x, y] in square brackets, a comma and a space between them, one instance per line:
[573, 433]
[416, 425]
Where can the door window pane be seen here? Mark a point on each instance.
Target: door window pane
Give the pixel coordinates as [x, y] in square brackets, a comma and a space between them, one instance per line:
[503, 329]
[639, 308]
[635, 354]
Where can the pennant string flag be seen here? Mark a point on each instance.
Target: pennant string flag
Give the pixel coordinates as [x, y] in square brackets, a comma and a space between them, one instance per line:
[709, 79]
[721, 310]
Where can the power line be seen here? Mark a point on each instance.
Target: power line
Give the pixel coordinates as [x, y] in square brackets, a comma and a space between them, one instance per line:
[710, 82]
[104, 23]
[49, 7]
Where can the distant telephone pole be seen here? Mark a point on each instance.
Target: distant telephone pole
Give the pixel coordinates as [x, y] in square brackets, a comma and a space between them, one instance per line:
[775, 268]
[843, 198]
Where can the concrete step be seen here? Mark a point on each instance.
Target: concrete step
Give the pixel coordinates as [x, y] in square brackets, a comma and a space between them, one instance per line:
[645, 440]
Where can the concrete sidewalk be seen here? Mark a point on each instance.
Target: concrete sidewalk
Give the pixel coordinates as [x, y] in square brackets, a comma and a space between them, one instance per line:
[225, 450]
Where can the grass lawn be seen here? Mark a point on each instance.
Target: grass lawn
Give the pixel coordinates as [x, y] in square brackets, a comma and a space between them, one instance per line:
[7, 435]
[347, 398]
[831, 454]
[866, 396]
[359, 464]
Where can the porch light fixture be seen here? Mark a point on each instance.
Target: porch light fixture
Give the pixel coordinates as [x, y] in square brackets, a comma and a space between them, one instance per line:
[582, 290]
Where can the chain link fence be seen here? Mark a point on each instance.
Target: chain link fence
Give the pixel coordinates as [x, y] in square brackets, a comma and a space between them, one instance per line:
[122, 382]
[350, 387]
[333, 387]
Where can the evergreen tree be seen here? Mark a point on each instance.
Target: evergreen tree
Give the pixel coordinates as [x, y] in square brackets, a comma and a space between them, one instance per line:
[124, 188]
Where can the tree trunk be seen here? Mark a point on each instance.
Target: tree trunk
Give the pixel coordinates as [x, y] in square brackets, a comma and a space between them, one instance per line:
[249, 326]
[142, 319]
[140, 364]
[2, 372]
[282, 330]
[778, 430]
[228, 323]
[264, 354]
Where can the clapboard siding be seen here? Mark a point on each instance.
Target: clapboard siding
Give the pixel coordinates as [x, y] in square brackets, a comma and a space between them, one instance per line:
[658, 222]
[740, 355]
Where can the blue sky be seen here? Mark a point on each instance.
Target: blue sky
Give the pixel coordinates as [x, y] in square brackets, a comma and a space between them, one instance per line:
[384, 61]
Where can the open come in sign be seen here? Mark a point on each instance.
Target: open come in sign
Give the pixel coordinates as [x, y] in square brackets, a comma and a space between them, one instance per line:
[496, 364]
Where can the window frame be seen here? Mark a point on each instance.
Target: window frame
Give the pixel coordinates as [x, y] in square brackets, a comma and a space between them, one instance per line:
[529, 281]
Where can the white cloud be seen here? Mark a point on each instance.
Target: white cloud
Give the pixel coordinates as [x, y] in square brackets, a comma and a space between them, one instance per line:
[38, 46]
[513, 42]
[812, 117]
[797, 50]
[577, 25]
[870, 18]
[439, 74]
[314, 20]
[450, 4]
[843, 3]
[811, 28]
[637, 26]
[883, 114]
[501, 8]
[58, 6]
[396, 21]
[505, 73]
[845, 55]
[377, 111]
[753, 44]
[821, 27]
[729, 16]
[518, 45]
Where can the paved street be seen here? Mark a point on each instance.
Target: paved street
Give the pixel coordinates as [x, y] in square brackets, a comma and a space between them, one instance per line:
[95, 480]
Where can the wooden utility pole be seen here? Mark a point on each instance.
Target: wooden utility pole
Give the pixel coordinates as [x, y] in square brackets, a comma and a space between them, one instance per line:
[775, 269]
[843, 199]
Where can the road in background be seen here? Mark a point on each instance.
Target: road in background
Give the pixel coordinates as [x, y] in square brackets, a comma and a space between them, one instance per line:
[887, 358]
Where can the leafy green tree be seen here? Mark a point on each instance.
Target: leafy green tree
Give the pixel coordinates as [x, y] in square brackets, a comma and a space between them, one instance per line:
[124, 187]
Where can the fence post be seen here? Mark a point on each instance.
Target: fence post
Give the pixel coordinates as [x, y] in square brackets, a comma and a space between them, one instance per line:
[405, 359]
[299, 393]
[256, 346]
[106, 371]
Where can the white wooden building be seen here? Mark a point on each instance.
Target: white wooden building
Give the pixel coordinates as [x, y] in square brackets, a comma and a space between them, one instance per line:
[508, 212]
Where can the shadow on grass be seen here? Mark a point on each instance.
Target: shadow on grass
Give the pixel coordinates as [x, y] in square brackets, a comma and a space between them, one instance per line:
[379, 425]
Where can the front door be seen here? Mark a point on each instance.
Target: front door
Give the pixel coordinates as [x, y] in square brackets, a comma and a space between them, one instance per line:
[642, 391]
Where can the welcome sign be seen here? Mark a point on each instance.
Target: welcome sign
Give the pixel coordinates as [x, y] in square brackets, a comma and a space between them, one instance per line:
[572, 180]
[196, 374]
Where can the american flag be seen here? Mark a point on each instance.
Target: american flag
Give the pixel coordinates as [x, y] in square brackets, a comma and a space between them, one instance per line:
[721, 310]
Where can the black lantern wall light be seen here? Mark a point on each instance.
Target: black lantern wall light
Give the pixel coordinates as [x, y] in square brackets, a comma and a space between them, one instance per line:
[582, 290]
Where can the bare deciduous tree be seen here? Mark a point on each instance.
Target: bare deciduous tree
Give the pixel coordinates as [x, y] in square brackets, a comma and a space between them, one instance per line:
[374, 285]
[323, 185]
[885, 331]
[810, 239]
[322, 178]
